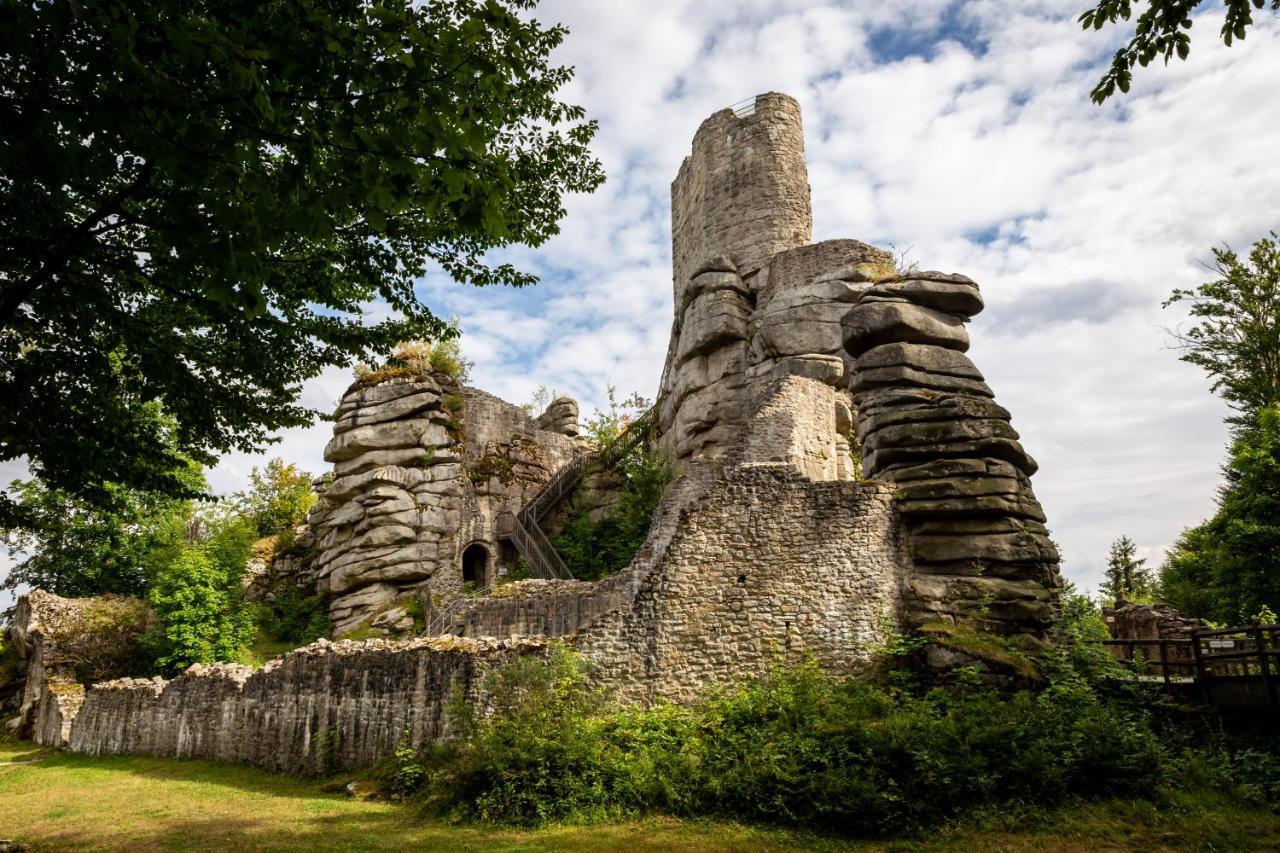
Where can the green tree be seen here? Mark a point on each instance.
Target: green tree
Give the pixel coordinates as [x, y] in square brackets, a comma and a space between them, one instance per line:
[70, 547]
[1161, 31]
[1128, 578]
[1228, 568]
[278, 498]
[199, 600]
[199, 199]
[1235, 334]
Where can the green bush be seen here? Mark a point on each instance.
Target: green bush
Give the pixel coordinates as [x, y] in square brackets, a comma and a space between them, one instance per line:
[293, 615]
[595, 548]
[804, 749]
[198, 598]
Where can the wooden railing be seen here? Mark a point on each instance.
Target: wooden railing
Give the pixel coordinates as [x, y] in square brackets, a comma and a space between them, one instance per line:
[1247, 653]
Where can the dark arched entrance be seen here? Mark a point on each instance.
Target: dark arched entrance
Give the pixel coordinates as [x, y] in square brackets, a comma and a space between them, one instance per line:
[475, 562]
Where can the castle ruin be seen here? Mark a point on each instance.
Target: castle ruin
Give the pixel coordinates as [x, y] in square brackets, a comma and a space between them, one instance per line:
[844, 473]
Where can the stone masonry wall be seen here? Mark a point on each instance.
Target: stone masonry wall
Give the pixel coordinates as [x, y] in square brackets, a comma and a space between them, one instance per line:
[326, 707]
[768, 566]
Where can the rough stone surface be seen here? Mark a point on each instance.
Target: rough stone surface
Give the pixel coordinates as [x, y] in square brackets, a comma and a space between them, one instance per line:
[62, 642]
[326, 707]
[422, 470]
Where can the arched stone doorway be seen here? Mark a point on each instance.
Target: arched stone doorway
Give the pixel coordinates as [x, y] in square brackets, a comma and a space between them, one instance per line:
[475, 564]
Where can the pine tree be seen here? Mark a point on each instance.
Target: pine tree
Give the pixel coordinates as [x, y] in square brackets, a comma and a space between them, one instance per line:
[1128, 578]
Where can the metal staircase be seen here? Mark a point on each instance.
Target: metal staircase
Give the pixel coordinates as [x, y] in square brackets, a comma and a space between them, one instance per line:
[524, 528]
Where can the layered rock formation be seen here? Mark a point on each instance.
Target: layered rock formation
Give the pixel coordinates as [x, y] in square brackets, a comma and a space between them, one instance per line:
[390, 514]
[422, 468]
[927, 422]
[754, 303]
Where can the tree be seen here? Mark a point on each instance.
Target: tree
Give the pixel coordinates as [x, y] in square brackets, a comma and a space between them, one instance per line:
[1228, 568]
[199, 199]
[1128, 578]
[277, 499]
[74, 548]
[199, 600]
[1236, 331]
[1160, 31]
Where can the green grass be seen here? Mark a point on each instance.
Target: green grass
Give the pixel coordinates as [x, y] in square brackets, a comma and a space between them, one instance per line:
[57, 801]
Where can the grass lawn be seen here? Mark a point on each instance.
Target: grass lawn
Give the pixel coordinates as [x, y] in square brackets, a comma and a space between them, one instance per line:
[56, 800]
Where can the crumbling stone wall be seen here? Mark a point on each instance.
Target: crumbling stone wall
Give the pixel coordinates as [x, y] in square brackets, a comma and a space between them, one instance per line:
[767, 567]
[63, 643]
[329, 706]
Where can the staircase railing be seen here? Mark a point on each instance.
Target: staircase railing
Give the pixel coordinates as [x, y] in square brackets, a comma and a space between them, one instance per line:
[524, 528]
[441, 620]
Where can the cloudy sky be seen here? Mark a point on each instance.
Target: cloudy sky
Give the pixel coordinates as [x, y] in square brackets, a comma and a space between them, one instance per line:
[962, 132]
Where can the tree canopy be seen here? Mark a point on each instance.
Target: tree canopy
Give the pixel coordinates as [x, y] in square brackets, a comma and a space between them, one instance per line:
[1228, 568]
[1235, 331]
[1162, 30]
[199, 199]
[1128, 578]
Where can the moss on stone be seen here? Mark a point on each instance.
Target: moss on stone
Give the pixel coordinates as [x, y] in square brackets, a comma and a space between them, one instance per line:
[989, 648]
[491, 465]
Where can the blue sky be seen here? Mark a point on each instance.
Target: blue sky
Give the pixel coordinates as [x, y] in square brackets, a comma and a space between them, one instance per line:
[964, 134]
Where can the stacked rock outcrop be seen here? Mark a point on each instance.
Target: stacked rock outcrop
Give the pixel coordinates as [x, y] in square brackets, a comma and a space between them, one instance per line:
[928, 422]
[561, 416]
[395, 502]
[755, 303]
[422, 468]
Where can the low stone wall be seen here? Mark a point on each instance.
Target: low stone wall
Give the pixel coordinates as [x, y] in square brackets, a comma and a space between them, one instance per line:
[543, 608]
[61, 642]
[325, 707]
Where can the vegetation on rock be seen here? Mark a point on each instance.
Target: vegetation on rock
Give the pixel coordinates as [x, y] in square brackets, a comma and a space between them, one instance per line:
[593, 548]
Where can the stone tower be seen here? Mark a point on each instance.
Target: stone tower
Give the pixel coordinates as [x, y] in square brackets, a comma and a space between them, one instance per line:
[756, 303]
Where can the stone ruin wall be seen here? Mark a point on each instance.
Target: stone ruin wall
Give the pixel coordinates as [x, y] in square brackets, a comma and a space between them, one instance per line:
[325, 707]
[775, 554]
[844, 470]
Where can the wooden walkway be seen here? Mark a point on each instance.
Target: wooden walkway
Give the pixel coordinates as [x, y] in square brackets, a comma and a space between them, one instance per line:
[1231, 667]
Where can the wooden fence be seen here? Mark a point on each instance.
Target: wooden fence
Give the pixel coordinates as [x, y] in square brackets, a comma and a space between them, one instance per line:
[1231, 666]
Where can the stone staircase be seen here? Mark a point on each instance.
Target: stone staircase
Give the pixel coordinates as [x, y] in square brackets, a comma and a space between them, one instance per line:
[524, 528]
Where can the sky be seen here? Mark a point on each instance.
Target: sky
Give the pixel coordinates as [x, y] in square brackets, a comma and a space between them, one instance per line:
[961, 134]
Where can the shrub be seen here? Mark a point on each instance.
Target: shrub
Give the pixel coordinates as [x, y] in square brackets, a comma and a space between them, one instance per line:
[101, 638]
[801, 748]
[198, 598]
[595, 548]
[293, 615]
